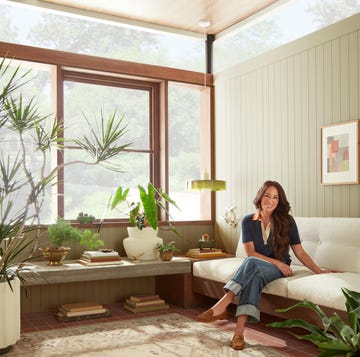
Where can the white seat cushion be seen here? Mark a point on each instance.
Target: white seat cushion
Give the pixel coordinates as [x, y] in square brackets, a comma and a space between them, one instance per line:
[220, 270]
[324, 289]
[280, 286]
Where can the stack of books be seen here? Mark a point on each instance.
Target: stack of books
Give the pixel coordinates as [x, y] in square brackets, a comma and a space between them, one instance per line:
[100, 258]
[80, 311]
[205, 253]
[144, 303]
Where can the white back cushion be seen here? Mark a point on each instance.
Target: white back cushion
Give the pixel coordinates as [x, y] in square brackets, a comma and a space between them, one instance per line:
[332, 242]
[240, 252]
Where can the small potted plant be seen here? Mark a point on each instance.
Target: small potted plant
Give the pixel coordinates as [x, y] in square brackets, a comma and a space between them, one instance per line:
[144, 212]
[166, 250]
[61, 233]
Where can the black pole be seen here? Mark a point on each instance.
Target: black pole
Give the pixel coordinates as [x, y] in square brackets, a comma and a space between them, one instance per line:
[209, 53]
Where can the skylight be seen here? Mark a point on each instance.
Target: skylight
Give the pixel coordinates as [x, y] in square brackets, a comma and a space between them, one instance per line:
[295, 19]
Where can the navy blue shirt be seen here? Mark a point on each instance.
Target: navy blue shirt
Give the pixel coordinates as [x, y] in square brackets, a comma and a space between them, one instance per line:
[251, 232]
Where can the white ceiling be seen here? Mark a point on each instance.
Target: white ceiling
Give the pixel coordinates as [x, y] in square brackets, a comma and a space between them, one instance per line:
[179, 16]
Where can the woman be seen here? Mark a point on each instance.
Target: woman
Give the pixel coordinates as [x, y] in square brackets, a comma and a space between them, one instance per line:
[267, 236]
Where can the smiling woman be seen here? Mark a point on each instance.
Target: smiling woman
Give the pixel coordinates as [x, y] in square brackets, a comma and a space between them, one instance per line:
[267, 236]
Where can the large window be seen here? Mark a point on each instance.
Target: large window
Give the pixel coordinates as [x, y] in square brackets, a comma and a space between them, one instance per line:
[86, 188]
[167, 122]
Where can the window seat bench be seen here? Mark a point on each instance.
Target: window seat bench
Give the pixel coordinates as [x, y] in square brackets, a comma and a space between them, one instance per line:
[46, 287]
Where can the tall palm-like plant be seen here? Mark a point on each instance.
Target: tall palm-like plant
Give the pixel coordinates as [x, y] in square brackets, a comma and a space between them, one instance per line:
[22, 184]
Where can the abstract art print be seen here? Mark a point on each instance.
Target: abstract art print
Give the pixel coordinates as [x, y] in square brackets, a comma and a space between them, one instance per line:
[340, 153]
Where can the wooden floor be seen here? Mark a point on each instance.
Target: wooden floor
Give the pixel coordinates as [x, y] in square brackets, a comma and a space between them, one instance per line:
[277, 338]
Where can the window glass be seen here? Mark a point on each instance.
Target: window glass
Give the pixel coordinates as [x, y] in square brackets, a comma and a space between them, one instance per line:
[36, 87]
[34, 26]
[289, 22]
[88, 188]
[184, 150]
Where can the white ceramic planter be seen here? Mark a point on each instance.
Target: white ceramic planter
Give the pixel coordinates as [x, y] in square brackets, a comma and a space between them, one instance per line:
[10, 313]
[141, 244]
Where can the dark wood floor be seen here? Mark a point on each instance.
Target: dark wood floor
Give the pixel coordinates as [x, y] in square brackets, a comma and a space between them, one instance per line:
[276, 338]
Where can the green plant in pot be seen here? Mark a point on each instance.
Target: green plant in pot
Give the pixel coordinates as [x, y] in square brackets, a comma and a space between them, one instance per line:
[336, 338]
[143, 218]
[166, 250]
[61, 233]
[27, 141]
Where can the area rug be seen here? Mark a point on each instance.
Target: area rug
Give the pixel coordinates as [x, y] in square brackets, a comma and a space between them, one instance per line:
[167, 335]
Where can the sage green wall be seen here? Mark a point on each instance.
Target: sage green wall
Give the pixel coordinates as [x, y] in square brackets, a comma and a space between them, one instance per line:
[269, 112]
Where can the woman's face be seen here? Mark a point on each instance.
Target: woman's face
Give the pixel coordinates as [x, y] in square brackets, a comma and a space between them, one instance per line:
[269, 200]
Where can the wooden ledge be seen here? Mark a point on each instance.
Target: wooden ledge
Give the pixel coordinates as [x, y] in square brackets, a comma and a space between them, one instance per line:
[40, 273]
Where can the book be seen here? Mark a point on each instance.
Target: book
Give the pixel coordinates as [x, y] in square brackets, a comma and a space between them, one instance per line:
[80, 313]
[81, 306]
[140, 298]
[64, 318]
[145, 303]
[100, 259]
[84, 262]
[205, 253]
[99, 253]
[145, 308]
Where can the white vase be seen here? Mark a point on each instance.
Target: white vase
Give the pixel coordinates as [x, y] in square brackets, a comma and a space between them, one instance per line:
[10, 313]
[141, 244]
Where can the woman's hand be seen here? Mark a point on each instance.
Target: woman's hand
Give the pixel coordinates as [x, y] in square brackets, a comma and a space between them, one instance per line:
[284, 268]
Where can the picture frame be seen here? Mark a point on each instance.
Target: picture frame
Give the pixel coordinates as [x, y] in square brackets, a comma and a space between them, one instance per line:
[340, 153]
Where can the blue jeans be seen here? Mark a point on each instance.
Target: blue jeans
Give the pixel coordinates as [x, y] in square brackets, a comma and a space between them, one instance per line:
[247, 284]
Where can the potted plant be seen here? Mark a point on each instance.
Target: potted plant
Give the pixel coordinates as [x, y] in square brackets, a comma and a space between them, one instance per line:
[27, 139]
[336, 338]
[143, 217]
[166, 250]
[62, 232]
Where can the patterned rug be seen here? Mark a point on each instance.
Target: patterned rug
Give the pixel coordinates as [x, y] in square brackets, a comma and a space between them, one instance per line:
[166, 335]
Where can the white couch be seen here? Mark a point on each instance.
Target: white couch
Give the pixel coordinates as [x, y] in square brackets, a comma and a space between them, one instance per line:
[332, 243]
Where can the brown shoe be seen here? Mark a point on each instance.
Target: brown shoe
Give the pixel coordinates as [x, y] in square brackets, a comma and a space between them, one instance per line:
[237, 343]
[208, 316]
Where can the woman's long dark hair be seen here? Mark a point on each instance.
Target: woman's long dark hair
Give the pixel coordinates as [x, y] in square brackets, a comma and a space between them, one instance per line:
[280, 219]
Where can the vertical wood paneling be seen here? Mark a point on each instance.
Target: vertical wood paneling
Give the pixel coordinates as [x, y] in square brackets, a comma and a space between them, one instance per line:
[297, 155]
[284, 140]
[319, 108]
[273, 117]
[291, 188]
[328, 113]
[305, 134]
[336, 114]
[313, 141]
[354, 100]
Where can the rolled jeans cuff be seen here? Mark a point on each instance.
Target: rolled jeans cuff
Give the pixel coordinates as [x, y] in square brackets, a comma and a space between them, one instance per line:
[252, 311]
[233, 286]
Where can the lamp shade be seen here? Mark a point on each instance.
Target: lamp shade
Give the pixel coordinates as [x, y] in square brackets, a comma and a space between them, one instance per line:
[212, 185]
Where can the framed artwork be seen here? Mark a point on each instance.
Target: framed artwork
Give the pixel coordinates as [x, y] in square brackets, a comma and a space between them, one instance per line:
[340, 153]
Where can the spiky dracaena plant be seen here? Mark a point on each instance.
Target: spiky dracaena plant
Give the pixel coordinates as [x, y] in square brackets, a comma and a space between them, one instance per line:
[336, 338]
[22, 184]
